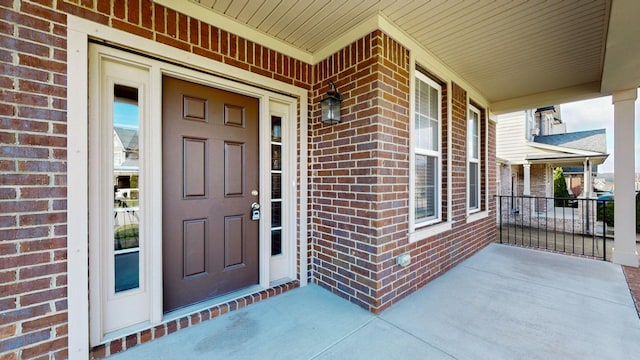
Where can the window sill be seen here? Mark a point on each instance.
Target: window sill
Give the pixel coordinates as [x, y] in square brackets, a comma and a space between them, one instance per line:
[428, 231]
[477, 216]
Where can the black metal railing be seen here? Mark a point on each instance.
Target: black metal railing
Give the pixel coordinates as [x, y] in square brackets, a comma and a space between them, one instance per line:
[568, 225]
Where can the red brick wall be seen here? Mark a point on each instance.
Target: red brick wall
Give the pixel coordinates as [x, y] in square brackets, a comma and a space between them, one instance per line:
[33, 103]
[360, 167]
[538, 179]
[33, 306]
[359, 170]
[360, 180]
[434, 255]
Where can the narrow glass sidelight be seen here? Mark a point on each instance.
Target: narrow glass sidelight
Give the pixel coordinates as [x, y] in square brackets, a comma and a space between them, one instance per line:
[276, 185]
[126, 192]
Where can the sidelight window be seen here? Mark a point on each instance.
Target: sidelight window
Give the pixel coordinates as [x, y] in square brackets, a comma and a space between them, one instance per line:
[276, 185]
[126, 176]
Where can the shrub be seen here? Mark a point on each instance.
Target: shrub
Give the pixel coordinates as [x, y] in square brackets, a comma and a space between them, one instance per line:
[126, 236]
[607, 206]
[609, 212]
[560, 188]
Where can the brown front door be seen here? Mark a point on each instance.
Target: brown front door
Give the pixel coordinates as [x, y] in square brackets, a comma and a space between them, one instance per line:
[209, 170]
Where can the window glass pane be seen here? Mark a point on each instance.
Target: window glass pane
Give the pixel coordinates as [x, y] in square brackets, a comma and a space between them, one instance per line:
[276, 242]
[421, 132]
[426, 187]
[276, 214]
[434, 136]
[433, 105]
[473, 134]
[276, 128]
[276, 192]
[473, 185]
[126, 126]
[426, 116]
[276, 157]
[432, 190]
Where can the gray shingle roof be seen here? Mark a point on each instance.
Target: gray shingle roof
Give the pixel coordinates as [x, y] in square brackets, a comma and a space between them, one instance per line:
[129, 138]
[577, 170]
[590, 140]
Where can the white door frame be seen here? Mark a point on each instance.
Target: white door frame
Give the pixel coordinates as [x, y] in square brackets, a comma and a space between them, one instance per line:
[79, 31]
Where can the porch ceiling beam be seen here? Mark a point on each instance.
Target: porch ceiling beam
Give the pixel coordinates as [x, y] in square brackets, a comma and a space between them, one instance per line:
[577, 160]
[559, 96]
[622, 57]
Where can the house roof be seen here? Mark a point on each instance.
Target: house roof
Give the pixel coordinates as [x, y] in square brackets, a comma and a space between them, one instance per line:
[128, 137]
[517, 55]
[578, 169]
[590, 140]
[128, 165]
[565, 159]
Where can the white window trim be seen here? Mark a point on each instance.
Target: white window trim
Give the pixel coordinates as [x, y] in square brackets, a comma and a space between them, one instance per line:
[418, 230]
[470, 159]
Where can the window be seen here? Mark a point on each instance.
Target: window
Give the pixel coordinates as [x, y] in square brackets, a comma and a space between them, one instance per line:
[276, 185]
[427, 160]
[473, 159]
[126, 128]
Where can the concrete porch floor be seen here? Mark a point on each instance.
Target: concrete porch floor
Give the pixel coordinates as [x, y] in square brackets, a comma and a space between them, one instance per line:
[503, 303]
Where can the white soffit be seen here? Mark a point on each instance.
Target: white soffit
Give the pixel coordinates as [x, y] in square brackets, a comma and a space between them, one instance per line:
[507, 50]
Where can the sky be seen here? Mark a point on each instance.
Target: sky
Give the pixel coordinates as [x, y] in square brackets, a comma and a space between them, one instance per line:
[125, 115]
[598, 114]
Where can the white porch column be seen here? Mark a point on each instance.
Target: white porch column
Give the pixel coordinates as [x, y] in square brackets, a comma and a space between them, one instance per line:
[586, 179]
[624, 251]
[548, 184]
[527, 179]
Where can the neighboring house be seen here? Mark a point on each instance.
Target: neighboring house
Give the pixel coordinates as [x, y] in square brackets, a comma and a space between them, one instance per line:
[125, 148]
[125, 158]
[532, 143]
[243, 189]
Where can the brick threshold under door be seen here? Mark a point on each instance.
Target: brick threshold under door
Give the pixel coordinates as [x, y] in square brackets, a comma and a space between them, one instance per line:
[145, 335]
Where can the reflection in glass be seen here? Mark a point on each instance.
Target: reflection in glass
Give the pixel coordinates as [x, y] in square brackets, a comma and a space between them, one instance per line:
[276, 157]
[126, 126]
[276, 128]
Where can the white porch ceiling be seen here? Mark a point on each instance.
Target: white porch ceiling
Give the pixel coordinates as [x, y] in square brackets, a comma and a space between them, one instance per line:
[516, 53]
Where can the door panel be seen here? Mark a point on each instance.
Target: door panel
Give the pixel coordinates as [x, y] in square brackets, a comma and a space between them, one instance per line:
[210, 166]
[233, 169]
[195, 245]
[233, 241]
[195, 167]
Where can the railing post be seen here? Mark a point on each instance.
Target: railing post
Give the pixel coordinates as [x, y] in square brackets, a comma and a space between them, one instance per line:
[604, 230]
[500, 209]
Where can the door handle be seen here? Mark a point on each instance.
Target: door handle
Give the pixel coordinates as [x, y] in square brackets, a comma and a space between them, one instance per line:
[255, 211]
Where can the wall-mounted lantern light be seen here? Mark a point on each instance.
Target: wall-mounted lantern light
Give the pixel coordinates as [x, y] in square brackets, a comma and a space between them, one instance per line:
[331, 106]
